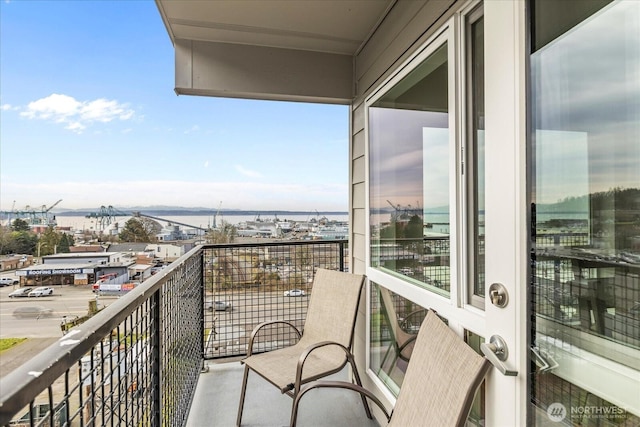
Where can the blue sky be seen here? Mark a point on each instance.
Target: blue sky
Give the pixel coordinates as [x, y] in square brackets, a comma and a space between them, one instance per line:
[88, 115]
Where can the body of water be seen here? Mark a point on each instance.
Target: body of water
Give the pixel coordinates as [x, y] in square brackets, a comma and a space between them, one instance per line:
[194, 221]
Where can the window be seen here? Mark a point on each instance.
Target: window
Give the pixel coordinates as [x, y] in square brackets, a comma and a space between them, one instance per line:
[426, 192]
[395, 322]
[585, 193]
[474, 160]
[419, 167]
[410, 165]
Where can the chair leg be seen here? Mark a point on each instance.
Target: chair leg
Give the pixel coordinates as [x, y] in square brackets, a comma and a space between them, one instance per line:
[367, 410]
[294, 412]
[243, 392]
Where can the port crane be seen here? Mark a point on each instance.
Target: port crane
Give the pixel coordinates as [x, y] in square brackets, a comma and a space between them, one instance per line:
[105, 216]
[403, 213]
[33, 216]
[215, 217]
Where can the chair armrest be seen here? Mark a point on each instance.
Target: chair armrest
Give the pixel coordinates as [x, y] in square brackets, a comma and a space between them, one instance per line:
[307, 352]
[262, 325]
[335, 384]
[404, 322]
[405, 345]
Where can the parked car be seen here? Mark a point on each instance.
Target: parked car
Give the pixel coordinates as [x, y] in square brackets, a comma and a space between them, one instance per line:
[7, 281]
[20, 292]
[294, 293]
[218, 306]
[33, 311]
[41, 291]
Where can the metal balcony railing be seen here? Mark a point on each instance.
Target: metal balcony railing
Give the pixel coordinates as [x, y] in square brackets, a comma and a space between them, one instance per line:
[247, 284]
[137, 361]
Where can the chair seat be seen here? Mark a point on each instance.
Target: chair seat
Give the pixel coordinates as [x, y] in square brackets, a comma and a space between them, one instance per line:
[279, 366]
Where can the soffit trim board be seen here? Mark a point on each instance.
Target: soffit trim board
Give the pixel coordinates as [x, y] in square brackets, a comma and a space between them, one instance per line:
[260, 30]
[375, 27]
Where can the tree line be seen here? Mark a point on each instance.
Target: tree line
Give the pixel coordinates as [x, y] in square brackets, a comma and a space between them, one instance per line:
[19, 238]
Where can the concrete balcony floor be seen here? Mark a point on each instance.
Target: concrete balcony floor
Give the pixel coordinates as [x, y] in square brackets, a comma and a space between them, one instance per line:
[218, 392]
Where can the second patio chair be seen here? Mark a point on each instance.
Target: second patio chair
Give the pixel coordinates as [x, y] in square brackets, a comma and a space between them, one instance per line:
[324, 347]
[443, 376]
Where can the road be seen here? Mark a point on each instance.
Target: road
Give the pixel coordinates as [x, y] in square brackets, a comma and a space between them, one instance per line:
[67, 300]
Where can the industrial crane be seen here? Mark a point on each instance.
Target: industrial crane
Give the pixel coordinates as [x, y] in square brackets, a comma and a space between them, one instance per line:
[32, 216]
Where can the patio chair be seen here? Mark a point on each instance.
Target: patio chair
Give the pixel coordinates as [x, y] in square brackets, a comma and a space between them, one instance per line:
[403, 340]
[439, 386]
[324, 347]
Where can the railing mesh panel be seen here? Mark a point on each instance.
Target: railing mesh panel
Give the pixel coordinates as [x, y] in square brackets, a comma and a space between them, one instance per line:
[142, 371]
[246, 285]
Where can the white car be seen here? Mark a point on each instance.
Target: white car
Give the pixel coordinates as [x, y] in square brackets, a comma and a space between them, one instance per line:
[41, 291]
[20, 292]
[218, 306]
[294, 293]
[7, 281]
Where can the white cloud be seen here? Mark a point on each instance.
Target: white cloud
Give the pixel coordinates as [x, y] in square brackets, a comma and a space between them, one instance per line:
[206, 163]
[76, 115]
[248, 172]
[194, 128]
[8, 107]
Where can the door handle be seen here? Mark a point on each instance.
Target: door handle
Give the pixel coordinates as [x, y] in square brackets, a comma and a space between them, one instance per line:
[497, 352]
[543, 360]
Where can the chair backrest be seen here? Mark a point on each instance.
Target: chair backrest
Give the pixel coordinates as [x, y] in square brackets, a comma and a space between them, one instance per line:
[333, 307]
[402, 341]
[441, 380]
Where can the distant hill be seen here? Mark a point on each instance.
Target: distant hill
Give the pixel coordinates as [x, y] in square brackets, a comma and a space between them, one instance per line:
[616, 198]
[176, 211]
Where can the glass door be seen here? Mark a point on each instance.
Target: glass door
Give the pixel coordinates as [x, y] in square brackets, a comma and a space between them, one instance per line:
[585, 218]
[447, 202]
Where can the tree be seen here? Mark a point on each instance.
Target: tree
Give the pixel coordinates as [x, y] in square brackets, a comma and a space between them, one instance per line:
[22, 242]
[5, 238]
[18, 238]
[20, 225]
[138, 230]
[226, 233]
[48, 242]
[65, 243]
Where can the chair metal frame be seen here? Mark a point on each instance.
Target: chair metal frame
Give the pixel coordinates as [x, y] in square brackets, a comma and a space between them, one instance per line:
[300, 357]
[419, 401]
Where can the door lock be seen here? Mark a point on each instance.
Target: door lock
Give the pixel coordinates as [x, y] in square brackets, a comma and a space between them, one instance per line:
[498, 295]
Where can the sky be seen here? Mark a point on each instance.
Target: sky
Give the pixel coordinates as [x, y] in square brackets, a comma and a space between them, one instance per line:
[88, 115]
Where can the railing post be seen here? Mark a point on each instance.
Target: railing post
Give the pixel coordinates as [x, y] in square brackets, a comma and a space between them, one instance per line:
[341, 248]
[156, 359]
[201, 310]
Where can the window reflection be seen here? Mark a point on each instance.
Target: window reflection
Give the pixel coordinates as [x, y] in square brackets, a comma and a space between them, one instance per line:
[409, 176]
[395, 322]
[475, 158]
[586, 209]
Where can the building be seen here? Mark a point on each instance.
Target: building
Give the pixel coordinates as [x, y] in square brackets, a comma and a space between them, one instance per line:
[169, 252]
[80, 268]
[515, 125]
[15, 261]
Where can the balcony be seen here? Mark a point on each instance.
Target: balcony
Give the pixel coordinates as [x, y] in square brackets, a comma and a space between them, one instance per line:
[168, 352]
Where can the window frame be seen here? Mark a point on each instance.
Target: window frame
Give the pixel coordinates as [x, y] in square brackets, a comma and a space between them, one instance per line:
[459, 303]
